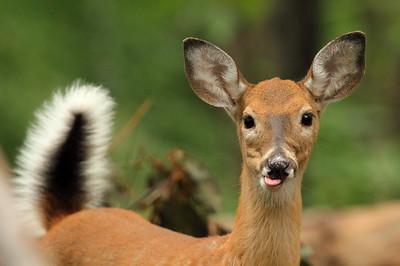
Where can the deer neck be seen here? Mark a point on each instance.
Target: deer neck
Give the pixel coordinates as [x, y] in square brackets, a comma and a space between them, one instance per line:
[265, 234]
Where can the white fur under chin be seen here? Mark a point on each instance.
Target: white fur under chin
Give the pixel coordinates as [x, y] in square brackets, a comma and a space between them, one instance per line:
[47, 133]
[283, 195]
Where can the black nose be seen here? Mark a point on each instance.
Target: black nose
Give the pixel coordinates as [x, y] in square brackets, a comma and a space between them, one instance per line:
[277, 167]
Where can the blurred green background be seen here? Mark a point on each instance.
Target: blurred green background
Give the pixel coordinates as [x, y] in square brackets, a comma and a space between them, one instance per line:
[134, 48]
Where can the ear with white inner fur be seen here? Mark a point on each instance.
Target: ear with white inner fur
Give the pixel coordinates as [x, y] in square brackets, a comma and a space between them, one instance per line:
[212, 74]
[337, 68]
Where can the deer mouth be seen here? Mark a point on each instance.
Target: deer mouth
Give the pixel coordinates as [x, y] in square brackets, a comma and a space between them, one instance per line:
[273, 177]
[274, 181]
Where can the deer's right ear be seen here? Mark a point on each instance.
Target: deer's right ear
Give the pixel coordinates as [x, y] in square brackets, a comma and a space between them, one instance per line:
[212, 74]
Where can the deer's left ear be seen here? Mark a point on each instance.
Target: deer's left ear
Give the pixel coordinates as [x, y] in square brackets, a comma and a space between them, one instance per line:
[337, 68]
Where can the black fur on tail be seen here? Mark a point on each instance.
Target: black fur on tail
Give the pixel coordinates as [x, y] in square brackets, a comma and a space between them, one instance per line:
[63, 190]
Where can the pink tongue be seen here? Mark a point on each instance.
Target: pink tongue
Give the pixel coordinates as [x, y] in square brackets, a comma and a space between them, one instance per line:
[272, 182]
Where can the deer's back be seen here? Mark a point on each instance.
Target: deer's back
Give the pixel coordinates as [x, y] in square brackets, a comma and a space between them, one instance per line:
[119, 237]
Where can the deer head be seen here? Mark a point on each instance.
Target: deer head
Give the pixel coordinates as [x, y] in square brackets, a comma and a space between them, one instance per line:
[277, 120]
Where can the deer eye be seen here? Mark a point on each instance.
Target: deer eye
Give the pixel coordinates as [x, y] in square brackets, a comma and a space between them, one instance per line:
[248, 121]
[307, 119]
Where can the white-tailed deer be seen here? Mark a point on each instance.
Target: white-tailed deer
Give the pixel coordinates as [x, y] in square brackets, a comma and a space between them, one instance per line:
[63, 165]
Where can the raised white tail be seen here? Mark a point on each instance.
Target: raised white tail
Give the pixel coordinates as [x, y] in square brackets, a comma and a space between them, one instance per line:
[62, 167]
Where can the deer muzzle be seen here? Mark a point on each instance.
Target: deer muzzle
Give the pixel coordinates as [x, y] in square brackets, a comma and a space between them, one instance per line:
[277, 169]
